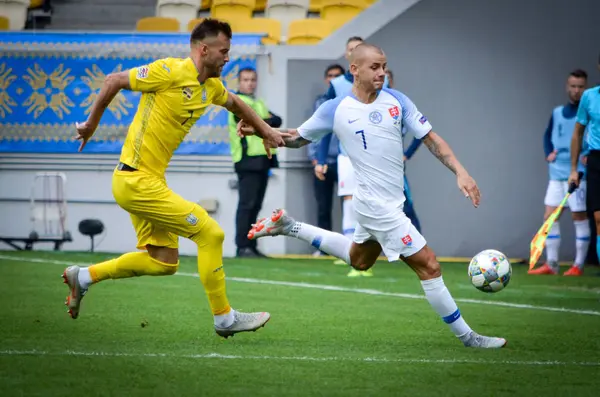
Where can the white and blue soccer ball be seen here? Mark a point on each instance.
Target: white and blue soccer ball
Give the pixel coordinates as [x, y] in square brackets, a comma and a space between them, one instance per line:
[490, 271]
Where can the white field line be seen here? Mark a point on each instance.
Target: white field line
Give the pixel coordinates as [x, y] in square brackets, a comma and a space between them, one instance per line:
[206, 356]
[324, 287]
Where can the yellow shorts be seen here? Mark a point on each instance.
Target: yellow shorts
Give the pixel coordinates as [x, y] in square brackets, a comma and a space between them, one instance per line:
[159, 215]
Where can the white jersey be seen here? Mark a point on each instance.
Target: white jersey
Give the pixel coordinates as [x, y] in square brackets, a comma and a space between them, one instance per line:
[371, 135]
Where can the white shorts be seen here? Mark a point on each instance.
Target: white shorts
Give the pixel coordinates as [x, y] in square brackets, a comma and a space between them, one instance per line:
[346, 180]
[557, 190]
[396, 235]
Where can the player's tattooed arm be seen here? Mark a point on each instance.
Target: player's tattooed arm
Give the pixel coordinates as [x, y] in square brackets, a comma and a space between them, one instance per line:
[440, 149]
[293, 139]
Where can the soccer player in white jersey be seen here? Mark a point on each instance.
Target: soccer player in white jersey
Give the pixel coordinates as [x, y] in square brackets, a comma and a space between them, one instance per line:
[369, 125]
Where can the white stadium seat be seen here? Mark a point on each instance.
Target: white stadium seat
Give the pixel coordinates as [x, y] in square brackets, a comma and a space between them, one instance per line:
[182, 10]
[15, 11]
[286, 11]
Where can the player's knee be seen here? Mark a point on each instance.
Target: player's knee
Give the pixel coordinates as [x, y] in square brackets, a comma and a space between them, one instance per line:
[431, 267]
[211, 234]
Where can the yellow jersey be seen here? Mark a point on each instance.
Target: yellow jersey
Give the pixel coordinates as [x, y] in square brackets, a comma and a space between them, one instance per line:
[172, 101]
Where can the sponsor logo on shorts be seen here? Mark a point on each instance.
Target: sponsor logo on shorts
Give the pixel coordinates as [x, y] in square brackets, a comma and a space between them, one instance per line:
[187, 92]
[142, 72]
[407, 240]
[191, 219]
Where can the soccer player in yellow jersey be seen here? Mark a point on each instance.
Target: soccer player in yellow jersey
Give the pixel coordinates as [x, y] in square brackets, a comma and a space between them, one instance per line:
[175, 93]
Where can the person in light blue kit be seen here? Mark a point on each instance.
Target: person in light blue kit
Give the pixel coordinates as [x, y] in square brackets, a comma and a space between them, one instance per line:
[557, 147]
[588, 117]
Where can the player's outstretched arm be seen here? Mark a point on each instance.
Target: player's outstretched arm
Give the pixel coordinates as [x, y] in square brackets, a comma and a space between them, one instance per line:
[440, 149]
[113, 83]
[247, 115]
[293, 139]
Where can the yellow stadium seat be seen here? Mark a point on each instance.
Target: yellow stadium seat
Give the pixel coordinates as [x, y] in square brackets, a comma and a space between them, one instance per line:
[157, 24]
[182, 10]
[192, 24]
[36, 3]
[272, 27]
[4, 23]
[315, 6]
[232, 9]
[308, 31]
[205, 4]
[260, 5]
[341, 11]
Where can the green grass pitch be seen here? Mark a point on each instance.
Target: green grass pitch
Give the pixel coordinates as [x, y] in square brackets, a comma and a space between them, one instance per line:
[329, 335]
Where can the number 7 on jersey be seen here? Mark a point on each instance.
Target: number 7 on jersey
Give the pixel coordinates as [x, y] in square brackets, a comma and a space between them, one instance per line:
[362, 134]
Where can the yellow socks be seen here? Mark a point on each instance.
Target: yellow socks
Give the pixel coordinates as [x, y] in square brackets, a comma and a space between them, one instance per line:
[132, 264]
[210, 266]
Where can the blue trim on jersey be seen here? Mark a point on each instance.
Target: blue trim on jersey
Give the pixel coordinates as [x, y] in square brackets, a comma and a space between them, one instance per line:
[414, 145]
[452, 317]
[583, 238]
[348, 231]
[553, 236]
[548, 146]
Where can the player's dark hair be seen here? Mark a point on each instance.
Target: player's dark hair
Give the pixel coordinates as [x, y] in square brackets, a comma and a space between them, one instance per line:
[246, 69]
[210, 27]
[354, 38]
[333, 67]
[579, 73]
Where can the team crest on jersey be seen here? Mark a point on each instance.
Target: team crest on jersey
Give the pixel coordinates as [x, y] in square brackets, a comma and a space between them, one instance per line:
[187, 92]
[375, 117]
[204, 95]
[142, 72]
[395, 113]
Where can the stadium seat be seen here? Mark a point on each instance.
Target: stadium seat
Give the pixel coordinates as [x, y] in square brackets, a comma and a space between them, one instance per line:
[341, 11]
[182, 10]
[272, 27]
[157, 24]
[36, 3]
[286, 11]
[16, 12]
[4, 23]
[192, 24]
[308, 31]
[232, 9]
[205, 4]
[315, 6]
[260, 5]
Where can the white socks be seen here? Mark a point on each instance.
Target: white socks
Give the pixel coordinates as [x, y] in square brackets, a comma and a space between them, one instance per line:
[440, 299]
[84, 278]
[582, 241]
[348, 218]
[553, 244]
[224, 320]
[333, 243]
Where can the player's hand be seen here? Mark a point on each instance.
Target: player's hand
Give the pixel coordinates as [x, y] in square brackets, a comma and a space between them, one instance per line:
[551, 157]
[574, 178]
[320, 171]
[467, 185]
[404, 159]
[85, 131]
[244, 129]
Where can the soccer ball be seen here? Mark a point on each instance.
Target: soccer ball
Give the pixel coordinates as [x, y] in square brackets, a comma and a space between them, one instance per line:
[490, 271]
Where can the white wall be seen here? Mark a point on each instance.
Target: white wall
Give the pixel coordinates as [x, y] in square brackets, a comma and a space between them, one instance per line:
[89, 195]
